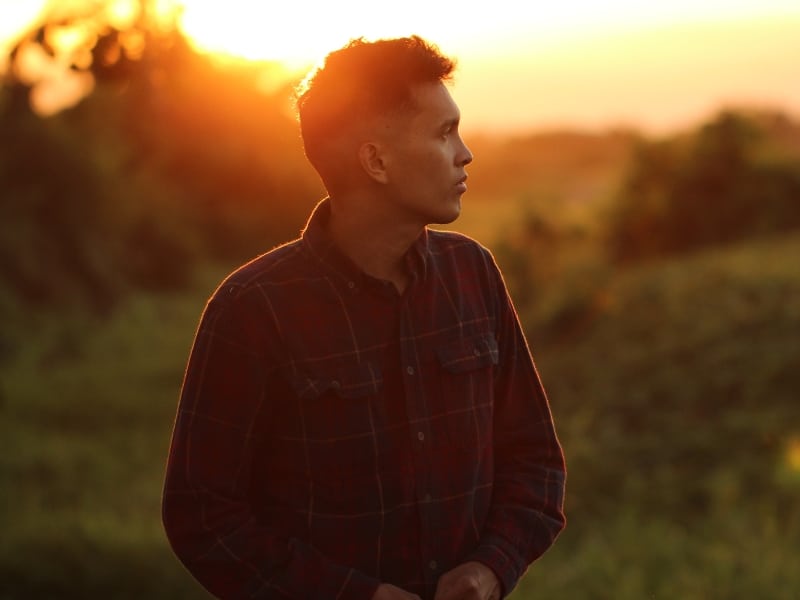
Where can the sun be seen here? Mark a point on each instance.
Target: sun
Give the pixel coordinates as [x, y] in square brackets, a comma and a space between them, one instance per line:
[296, 34]
[245, 29]
[300, 33]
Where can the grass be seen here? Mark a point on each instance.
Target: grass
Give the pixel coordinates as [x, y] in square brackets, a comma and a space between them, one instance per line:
[674, 385]
[88, 409]
[649, 556]
[675, 389]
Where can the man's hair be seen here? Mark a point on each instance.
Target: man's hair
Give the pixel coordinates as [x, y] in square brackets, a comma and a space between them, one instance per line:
[361, 80]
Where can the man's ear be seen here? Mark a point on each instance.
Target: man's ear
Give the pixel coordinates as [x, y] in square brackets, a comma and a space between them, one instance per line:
[371, 157]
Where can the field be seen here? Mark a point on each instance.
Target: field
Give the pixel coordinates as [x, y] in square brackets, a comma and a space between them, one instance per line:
[674, 385]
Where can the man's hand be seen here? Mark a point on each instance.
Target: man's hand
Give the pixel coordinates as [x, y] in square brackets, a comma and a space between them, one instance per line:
[470, 581]
[386, 591]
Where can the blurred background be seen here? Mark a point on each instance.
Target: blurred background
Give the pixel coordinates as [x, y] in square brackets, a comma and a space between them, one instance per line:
[637, 175]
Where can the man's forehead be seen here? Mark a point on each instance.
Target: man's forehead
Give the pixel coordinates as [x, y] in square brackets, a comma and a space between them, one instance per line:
[431, 107]
[433, 100]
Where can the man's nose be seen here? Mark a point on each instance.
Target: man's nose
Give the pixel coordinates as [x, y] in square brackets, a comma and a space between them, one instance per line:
[464, 156]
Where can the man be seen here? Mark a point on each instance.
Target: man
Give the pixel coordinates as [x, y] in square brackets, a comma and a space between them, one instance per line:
[361, 417]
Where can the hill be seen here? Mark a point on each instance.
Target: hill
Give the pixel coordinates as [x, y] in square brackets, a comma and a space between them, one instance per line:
[576, 166]
[675, 392]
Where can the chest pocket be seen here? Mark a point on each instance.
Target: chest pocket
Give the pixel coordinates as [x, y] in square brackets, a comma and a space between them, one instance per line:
[467, 390]
[334, 399]
[357, 381]
[338, 420]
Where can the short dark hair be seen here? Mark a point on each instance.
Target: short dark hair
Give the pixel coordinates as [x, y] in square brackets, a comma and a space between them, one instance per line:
[360, 80]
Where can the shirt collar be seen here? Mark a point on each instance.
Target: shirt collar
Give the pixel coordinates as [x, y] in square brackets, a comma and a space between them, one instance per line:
[318, 241]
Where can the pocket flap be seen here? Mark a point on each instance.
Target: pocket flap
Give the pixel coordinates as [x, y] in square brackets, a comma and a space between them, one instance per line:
[356, 381]
[469, 353]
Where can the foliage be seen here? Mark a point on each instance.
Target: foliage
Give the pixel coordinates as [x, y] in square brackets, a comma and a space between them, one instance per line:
[687, 379]
[737, 177]
[170, 160]
[88, 405]
[677, 408]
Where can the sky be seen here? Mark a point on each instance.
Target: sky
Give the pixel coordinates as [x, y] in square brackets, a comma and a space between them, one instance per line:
[572, 63]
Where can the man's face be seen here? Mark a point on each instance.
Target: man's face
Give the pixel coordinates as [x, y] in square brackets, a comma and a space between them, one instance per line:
[426, 158]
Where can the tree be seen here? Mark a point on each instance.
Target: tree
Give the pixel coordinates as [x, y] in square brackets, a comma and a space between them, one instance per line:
[730, 180]
[170, 160]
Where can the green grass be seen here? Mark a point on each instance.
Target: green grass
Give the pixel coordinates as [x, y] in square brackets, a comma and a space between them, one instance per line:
[87, 409]
[674, 385]
[651, 556]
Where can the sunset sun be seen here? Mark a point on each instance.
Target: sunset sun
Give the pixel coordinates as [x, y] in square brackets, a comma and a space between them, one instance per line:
[296, 34]
[251, 30]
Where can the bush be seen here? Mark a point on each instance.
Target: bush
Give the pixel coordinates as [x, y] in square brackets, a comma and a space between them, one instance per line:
[738, 177]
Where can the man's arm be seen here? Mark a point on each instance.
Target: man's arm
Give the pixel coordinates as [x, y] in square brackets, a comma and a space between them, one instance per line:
[207, 516]
[530, 473]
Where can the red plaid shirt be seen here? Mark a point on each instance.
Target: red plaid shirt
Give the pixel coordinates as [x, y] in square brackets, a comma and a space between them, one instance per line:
[333, 434]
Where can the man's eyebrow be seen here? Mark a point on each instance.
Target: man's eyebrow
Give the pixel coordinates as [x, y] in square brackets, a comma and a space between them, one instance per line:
[451, 122]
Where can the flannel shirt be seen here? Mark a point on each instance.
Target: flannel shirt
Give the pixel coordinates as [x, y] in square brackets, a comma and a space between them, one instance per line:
[333, 434]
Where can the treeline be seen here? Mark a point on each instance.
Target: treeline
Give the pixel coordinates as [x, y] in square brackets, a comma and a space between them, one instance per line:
[170, 161]
[737, 177]
[734, 178]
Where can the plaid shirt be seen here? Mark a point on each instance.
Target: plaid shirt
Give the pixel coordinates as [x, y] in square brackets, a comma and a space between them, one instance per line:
[333, 434]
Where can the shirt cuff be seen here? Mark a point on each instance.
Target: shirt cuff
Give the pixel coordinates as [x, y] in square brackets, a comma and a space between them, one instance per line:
[500, 563]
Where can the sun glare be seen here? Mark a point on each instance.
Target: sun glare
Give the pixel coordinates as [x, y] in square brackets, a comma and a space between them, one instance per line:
[15, 16]
[292, 35]
[298, 33]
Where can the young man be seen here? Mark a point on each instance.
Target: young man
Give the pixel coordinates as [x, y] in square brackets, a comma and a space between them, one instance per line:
[361, 417]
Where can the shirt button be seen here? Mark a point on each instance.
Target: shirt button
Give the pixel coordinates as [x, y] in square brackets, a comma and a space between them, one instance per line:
[351, 284]
[420, 436]
[476, 352]
[410, 370]
[432, 565]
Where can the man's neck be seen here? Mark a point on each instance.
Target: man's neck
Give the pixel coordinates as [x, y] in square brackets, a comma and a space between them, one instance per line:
[375, 242]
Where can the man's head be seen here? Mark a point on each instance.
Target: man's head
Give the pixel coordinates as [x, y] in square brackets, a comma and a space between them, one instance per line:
[361, 81]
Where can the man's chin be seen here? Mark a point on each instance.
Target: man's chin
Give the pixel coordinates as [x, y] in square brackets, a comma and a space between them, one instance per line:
[445, 218]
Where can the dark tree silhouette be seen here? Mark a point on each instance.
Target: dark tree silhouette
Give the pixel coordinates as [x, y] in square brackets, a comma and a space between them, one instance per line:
[737, 177]
[171, 160]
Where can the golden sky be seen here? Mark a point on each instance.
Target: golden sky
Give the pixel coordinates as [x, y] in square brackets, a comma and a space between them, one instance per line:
[530, 65]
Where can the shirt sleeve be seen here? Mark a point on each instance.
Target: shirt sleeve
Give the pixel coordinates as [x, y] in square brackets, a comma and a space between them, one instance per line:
[206, 513]
[527, 512]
